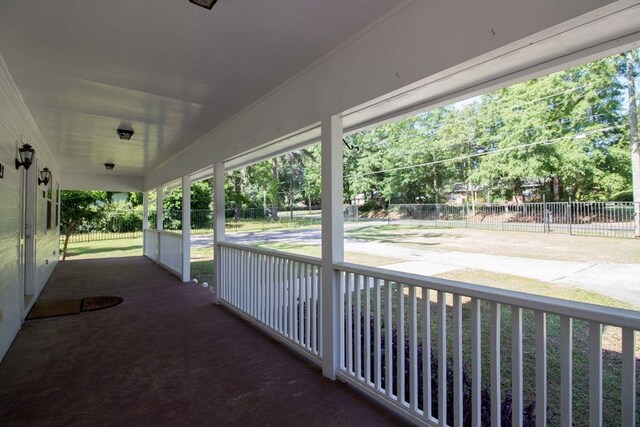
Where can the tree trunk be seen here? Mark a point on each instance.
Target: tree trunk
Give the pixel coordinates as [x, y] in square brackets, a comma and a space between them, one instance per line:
[67, 234]
[516, 190]
[633, 134]
[557, 189]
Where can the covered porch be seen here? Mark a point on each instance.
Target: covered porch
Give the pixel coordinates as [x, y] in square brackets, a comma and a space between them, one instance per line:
[209, 93]
[165, 356]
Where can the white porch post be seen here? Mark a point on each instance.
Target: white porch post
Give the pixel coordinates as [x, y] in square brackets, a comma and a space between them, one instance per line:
[145, 210]
[332, 241]
[218, 227]
[159, 208]
[186, 228]
[145, 220]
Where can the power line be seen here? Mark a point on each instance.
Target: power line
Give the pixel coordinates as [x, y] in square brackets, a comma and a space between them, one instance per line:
[498, 150]
[466, 144]
[564, 121]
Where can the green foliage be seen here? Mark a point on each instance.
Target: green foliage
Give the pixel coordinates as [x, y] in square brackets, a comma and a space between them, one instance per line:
[201, 196]
[564, 135]
[623, 196]
[80, 207]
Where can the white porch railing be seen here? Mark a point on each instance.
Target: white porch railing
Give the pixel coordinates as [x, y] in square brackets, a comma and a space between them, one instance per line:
[165, 248]
[150, 239]
[386, 319]
[412, 312]
[280, 291]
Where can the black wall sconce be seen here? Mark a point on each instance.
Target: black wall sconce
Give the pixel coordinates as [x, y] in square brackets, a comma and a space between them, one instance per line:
[207, 4]
[109, 166]
[25, 156]
[45, 177]
[124, 134]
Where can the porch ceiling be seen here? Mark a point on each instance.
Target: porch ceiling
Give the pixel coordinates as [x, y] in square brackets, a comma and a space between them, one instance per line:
[171, 70]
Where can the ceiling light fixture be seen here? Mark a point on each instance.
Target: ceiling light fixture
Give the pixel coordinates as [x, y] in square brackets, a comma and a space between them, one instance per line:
[25, 156]
[207, 4]
[125, 134]
[109, 166]
[45, 177]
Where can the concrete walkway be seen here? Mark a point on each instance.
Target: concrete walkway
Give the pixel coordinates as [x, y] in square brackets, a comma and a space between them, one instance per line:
[620, 281]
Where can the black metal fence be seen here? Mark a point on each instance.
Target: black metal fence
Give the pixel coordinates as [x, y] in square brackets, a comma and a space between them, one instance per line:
[243, 220]
[124, 224]
[608, 219]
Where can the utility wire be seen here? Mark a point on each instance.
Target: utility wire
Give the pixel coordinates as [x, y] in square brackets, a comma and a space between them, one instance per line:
[467, 145]
[498, 150]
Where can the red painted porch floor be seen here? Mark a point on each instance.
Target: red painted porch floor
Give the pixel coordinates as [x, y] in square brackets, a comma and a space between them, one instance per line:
[165, 356]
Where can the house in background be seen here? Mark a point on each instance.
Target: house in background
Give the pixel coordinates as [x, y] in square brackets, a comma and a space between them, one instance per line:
[205, 91]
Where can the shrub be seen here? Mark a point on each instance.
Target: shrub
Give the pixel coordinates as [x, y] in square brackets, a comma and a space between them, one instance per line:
[623, 196]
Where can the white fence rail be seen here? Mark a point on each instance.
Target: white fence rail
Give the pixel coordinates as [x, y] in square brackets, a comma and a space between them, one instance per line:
[396, 329]
[164, 247]
[280, 291]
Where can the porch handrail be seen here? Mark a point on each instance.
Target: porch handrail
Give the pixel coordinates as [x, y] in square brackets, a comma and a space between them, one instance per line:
[273, 252]
[579, 310]
[391, 353]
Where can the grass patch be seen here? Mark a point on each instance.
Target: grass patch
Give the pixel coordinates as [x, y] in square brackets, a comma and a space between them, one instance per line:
[203, 270]
[316, 251]
[105, 249]
[561, 247]
[247, 225]
[533, 286]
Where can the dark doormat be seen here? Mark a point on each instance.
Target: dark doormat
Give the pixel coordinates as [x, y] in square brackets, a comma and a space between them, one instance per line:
[41, 310]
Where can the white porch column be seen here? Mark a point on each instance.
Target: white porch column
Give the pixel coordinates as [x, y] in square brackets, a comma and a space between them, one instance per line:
[145, 210]
[159, 208]
[218, 226]
[145, 220]
[186, 228]
[332, 241]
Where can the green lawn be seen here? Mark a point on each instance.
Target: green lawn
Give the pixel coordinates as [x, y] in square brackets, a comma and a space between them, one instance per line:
[202, 264]
[114, 248]
[533, 286]
[561, 247]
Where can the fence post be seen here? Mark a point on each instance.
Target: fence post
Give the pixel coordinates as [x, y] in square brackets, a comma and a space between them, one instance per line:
[569, 217]
[466, 214]
[504, 216]
[545, 217]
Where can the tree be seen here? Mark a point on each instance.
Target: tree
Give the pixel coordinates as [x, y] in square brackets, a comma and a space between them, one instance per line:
[78, 207]
[172, 204]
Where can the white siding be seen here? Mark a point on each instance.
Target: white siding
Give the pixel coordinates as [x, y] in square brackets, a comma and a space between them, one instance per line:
[10, 313]
[15, 120]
